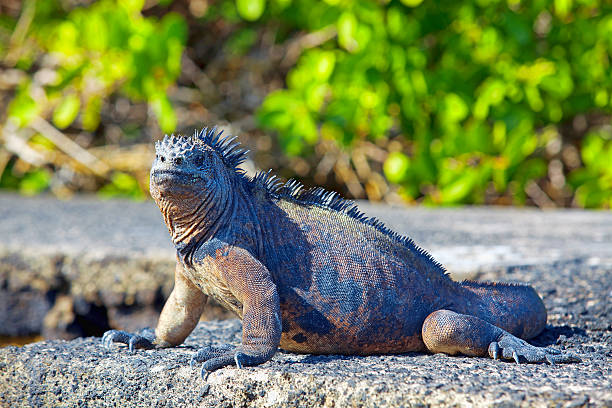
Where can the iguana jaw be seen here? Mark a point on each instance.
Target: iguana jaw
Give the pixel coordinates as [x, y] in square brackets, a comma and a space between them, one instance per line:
[171, 177]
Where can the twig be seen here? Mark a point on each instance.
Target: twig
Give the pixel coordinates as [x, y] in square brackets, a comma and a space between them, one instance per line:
[15, 143]
[69, 147]
[539, 196]
[311, 40]
[20, 32]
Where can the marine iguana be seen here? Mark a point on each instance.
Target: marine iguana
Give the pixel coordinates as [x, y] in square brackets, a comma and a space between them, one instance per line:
[307, 271]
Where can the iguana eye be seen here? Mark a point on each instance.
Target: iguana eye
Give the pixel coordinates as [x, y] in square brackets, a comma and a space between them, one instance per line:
[198, 161]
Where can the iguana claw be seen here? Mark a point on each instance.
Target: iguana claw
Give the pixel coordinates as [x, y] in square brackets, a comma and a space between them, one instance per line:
[494, 350]
[237, 359]
[204, 373]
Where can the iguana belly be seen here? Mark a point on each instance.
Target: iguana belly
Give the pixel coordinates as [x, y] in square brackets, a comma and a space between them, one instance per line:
[371, 326]
[346, 343]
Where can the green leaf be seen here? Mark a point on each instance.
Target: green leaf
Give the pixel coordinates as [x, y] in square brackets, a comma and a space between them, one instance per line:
[250, 10]
[592, 149]
[563, 7]
[457, 190]
[590, 195]
[91, 113]
[347, 30]
[166, 117]
[122, 185]
[66, 112]
[275, 113]
[132, 6]
[411, 3]
[23, 108]
[396, 167]
[454, 108]
[34, 182]
[324, 62]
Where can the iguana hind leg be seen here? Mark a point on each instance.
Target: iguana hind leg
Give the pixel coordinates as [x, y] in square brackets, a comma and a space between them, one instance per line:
[445, 331]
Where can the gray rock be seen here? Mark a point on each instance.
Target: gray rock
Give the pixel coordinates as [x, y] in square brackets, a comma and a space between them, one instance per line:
[83, 373]
[67, 266]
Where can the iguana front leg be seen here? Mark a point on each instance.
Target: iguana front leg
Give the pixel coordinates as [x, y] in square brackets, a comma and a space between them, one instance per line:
[178, 318]
[445, 331]
[250, 282]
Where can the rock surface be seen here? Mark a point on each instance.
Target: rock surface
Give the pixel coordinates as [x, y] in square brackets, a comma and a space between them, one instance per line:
[83, 373]
[78, 267]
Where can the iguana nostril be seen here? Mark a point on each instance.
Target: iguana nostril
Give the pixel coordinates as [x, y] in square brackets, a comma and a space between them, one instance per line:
[162, 158]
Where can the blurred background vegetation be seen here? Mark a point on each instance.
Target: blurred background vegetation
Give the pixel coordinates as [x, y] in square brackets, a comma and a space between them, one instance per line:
[503, 102]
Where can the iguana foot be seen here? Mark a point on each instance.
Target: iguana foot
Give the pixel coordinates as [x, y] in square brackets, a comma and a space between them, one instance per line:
[511, 347]
[445, 331]
[143, 339]
[214, 358]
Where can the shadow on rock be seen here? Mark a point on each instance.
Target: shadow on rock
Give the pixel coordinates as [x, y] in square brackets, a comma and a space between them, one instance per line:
[552, 334]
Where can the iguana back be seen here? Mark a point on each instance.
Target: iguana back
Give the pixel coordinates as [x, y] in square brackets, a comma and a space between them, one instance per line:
[346, 286]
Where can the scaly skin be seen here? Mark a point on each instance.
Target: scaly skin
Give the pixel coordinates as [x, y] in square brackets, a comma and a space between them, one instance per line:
[306, 271]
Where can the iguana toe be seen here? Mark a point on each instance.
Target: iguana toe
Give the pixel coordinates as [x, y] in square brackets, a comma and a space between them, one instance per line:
[115, 336]
[513, 348]
[494, 350]
[219, 362]
[213, 358]
[238, 359]
[210, 352]
[137, 341]
[143, 339]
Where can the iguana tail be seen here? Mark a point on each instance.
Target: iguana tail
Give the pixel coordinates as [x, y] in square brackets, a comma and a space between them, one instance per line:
[516, 308]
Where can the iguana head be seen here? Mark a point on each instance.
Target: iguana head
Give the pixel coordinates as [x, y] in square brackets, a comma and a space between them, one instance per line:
[192, 181]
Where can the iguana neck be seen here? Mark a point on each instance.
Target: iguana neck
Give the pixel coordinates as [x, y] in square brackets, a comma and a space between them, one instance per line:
[194, 216]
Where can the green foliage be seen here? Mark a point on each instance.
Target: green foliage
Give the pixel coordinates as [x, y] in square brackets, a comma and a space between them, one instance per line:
[466, 100]
[34, 182]
[468, 86]
[95, 52]
[594, 182]
[122, 185]
[30, 183]
[250, 10]
[23, 108]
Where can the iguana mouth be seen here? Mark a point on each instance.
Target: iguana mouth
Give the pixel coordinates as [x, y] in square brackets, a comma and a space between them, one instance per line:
[160, 176]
